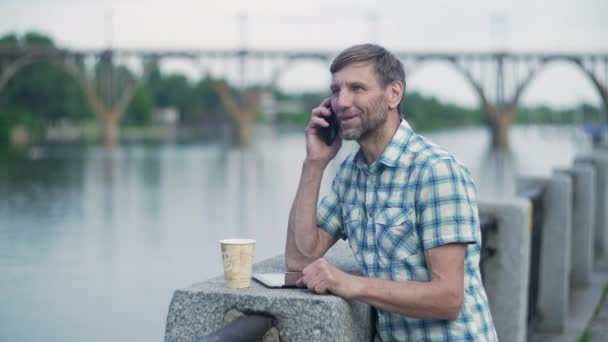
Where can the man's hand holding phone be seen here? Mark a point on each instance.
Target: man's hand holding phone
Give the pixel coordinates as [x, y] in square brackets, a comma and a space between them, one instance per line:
[322, 134]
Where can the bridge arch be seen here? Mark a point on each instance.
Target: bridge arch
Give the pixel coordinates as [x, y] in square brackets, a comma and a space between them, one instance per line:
[9, 71]
[13, 69]
[573, 66]
[443, 71]
[109, 116]
[319, 64]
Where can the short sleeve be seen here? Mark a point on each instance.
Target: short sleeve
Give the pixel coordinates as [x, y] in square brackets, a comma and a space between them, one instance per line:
[329, 214]
[446, 205]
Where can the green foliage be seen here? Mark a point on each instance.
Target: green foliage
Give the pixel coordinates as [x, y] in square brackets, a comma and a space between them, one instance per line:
[299, 119]
[141, 107]
[28, 39]
[9, 39]
[193, 101]
[207, 101]
[543, 114]
[43, 94]
[36, 88]
[36, 38]
[43, 88]
[428, 113]
[10, 119]
[173, 90]
[307, 101]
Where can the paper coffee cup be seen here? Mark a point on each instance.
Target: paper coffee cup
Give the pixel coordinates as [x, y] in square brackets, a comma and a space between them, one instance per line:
[237, 255]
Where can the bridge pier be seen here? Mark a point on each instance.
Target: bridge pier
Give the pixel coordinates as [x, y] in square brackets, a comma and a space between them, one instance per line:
[243, 132]
[500, 129]
[242, 115]
[110, 128]
[500, 119]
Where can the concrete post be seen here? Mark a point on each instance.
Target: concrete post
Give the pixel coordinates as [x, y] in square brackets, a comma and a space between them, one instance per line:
[599, 158]
[554, 281]
[507, 272]
[583, 224]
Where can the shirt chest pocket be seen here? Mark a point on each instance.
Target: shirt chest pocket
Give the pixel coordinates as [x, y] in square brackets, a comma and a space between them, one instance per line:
[396, 237]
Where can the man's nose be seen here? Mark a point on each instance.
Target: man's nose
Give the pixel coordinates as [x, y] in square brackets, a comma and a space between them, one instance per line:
[342, 100]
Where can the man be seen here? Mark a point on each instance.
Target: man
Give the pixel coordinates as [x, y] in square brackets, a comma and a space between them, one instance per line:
[406, 206]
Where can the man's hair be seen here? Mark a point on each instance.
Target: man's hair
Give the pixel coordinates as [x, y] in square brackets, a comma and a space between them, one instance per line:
[388, 67]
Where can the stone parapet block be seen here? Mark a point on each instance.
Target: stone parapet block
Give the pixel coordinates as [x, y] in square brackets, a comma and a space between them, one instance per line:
[583, 223]
[599, 159]
[506, 273]
[554, 281]
[300, 315]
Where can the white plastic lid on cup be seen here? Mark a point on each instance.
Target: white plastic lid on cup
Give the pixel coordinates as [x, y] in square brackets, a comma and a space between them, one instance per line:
[237, 241]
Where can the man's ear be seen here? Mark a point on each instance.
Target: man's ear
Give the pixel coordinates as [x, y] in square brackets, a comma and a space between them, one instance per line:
[394, 94]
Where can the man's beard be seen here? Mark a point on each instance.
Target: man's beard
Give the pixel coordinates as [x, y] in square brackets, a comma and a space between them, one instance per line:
[368, 125]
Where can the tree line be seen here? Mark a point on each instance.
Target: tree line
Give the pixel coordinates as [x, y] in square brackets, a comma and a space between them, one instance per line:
[43, 95]
[429, 113]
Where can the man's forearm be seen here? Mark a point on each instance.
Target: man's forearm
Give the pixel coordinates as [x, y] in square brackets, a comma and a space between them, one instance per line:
[302, 233]
[423, 300]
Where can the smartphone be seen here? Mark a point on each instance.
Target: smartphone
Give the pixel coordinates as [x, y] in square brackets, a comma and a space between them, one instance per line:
[278, 280]
[329, 134]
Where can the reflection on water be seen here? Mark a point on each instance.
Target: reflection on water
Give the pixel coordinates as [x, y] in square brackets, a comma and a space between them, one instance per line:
[94, 241]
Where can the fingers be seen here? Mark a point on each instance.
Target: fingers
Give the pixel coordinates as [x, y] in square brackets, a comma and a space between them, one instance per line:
[316, 121]
[320, 113]
[317, 277]
[326, 102]
[322, 110]
[320, 287]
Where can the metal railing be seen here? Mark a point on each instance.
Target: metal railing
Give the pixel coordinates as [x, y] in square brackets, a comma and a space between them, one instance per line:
[487, 224]
[246, 329]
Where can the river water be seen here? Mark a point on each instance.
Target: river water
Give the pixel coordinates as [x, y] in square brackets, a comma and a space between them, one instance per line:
[93, 242]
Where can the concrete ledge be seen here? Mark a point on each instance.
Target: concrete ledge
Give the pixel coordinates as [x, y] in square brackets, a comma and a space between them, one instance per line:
[507, 272]
[301, 316]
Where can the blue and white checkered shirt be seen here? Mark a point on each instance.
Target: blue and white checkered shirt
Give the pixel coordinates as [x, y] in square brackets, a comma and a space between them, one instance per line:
[416, 196]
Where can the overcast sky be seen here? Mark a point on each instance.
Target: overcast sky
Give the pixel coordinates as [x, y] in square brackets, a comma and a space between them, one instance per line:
[520, 25]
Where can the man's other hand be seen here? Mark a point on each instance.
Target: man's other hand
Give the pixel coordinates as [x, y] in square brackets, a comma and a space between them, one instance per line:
[322, 277]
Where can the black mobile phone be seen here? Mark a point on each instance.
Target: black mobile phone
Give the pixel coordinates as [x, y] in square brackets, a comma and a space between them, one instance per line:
[278, 280]
[329, 134]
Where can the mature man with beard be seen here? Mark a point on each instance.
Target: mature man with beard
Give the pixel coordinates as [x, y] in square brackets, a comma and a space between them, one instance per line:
[407, 208]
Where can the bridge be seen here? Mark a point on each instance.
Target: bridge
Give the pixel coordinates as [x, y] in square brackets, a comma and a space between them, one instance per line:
[499, 78]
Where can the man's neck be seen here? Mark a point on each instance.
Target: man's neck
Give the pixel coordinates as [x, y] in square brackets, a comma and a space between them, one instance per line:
[374, 143]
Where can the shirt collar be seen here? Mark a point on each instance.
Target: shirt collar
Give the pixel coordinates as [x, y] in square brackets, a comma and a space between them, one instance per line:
[393, 151]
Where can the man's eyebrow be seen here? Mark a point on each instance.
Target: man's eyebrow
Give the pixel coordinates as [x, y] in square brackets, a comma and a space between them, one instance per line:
[349, 84]
[356, 83]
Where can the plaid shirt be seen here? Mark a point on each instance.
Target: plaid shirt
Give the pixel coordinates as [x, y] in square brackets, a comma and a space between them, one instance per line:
[416, 196]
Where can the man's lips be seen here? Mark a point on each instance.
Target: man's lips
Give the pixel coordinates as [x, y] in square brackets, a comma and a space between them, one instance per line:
[347, 119]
